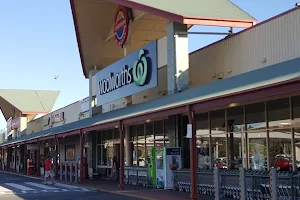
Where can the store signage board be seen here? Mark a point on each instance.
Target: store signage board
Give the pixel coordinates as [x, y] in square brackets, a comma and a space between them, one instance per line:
[134, 73]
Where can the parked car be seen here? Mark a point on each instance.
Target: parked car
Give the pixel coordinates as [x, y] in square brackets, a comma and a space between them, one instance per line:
[220, 164]
[283, 163]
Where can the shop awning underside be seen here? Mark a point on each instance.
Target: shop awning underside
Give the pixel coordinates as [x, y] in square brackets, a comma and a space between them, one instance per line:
[94, 24]
[28, 102]
[267, 77]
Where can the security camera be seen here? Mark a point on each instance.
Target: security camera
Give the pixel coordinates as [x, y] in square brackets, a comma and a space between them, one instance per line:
[297, 4]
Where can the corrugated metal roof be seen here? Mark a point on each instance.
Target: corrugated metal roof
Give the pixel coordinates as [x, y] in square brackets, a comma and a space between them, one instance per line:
[261, 77]
[212, 9]
[39, 101]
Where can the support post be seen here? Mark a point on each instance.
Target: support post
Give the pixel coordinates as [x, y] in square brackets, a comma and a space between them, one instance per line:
[56, 157]
[25, 158]
[66, 171]
[192, 121]
[61, 171]
[38, 170]
[81, 156]
[121, 172]
[217, 183]
[71, 172]
[243, 190]
[76, 173]
[15, 155]
[273, 183]
[1, 159]
[8, 159]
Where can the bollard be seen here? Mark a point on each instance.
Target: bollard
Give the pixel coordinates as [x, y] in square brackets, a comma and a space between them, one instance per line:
[61, 171]
[71, 172]
[76, 173]
[243, 190]
[66, 171]
[273, 183]
[217, 183]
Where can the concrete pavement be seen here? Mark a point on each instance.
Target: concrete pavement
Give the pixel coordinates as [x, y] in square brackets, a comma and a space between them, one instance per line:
[19, 187]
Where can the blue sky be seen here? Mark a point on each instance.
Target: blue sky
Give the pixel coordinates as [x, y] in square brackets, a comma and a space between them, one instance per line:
[37, 42]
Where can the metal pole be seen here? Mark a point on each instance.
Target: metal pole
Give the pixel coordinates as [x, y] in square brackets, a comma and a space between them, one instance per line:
[25, 158]
[121, 130]
[38, 170]
[15, 155]
[203, 33]
[56, 156]
[81, 156]
[217, 183]
[273, 183]
[243, 191]
[192, 120]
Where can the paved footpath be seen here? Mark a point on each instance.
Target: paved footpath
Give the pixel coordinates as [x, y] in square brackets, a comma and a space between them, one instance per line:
[16, 187]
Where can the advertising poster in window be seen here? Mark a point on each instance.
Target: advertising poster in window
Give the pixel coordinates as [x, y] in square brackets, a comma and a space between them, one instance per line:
[172, 162]
[70, 152]
[160, 168]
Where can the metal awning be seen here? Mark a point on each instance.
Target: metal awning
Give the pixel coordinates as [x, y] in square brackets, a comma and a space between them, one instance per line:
[224, 91]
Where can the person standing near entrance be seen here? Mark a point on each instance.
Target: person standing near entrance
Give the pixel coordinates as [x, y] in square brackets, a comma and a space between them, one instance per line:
[48, 170]
[116, 167]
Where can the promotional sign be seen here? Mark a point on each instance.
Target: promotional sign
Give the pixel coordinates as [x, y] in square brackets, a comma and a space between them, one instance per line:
[160, 178]
[134, 73]
[172, 161]
[15, 123]
[57, 118]
[152, 167]
[8, 126]
[189, 131]
[121, 24]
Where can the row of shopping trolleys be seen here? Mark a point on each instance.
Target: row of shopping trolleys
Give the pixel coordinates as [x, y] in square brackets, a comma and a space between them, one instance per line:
[264, 193]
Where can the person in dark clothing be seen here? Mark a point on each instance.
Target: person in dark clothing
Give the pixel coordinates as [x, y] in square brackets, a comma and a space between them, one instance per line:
[116, 166]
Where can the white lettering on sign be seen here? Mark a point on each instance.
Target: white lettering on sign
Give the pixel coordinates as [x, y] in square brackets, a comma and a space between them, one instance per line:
[115, 81]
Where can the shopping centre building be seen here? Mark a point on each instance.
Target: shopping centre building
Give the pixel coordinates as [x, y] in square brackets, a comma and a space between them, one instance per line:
[154, 106]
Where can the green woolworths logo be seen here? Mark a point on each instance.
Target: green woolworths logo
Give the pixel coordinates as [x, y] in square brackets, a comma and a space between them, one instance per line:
[140, 69]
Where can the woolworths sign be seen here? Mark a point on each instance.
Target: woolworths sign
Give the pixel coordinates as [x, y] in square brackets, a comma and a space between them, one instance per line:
[133, 74]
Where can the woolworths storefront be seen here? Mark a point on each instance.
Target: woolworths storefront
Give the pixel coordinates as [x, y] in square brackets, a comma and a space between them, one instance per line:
[169, 116]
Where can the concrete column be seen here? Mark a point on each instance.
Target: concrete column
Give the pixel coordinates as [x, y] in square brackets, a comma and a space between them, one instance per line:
[121, 178]
[128, 148]
[81, 157]
[178, 57]
[23, 123]
[193, 157]
[91, 98]
[15, 160]
[25, 158]
[38, 173]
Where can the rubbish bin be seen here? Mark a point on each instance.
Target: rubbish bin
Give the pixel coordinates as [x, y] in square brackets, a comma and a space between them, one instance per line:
[29, 167]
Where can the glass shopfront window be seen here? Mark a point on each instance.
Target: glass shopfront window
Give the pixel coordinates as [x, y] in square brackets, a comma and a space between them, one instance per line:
[296, 128]
[141, 145]
[159, 134]
[255, 117]
[105, 147]
[235, 134]
[144, 137]
[202, 141]
[280, 144]
[256, 136]
[218, 138]
[149, 140]
[279, 114]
